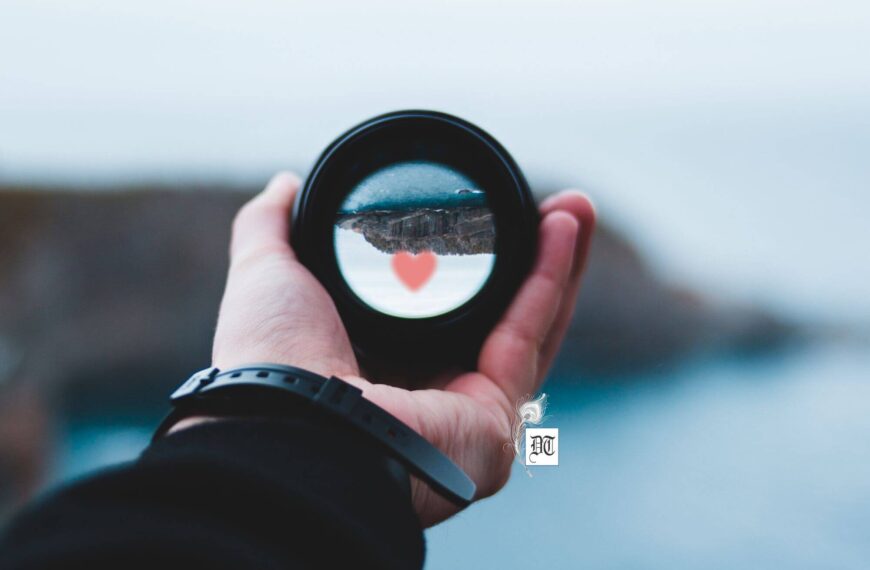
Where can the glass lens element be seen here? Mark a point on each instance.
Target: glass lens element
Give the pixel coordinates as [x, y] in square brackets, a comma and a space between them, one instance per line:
[415, 239]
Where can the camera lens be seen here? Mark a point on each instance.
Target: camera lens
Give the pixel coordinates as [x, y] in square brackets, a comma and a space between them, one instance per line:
[421, 227]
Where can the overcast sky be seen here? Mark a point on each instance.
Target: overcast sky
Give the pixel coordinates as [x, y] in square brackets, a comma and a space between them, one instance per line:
[180, 85]
[728, 138]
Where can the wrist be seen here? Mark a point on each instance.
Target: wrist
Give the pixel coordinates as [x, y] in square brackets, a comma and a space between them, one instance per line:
[189, 422]
[279, 391]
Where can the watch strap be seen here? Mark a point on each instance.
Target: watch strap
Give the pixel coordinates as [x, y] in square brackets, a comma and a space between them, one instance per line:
[336, 397]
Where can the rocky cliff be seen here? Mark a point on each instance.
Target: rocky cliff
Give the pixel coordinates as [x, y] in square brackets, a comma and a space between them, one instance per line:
[444, 231]
[101, 284]
[108, 299]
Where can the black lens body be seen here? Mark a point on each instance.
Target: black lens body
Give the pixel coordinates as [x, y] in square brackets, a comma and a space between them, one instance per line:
[446, 340]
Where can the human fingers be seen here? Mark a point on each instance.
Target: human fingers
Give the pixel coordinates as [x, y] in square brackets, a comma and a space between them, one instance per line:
[510, 355]
[263, 223]
[580, 206]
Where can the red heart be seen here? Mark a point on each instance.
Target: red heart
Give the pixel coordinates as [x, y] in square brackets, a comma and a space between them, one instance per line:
[414, 270]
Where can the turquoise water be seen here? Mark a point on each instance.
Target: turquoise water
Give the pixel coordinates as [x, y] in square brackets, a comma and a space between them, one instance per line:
[761, 464]
[413, 184]
[726, 464]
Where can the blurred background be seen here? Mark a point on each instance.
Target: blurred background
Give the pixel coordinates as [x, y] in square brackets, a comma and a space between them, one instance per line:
[713, 396]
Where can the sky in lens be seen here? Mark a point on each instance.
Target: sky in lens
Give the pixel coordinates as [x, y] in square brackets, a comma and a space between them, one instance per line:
[370, 274]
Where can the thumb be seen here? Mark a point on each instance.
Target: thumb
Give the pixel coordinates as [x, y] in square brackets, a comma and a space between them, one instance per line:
[263, 223]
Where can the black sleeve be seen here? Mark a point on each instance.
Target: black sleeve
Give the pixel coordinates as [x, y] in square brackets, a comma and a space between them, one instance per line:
[305, 492]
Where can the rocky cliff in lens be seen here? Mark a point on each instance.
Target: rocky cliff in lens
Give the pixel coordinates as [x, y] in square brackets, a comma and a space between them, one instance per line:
[443, 231]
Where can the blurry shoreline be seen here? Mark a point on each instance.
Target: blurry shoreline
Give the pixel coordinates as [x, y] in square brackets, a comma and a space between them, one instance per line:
[109, 297]
[116, 255]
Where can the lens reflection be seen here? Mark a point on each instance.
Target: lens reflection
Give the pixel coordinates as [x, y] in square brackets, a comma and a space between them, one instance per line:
[415, 239]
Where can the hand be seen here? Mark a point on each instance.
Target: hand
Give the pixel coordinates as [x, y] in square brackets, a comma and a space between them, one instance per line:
[275, 310]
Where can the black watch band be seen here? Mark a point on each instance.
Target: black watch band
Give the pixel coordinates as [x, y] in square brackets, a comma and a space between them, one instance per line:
[223, 392]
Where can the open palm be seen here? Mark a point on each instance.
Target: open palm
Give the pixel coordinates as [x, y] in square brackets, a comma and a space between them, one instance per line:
[275, 310]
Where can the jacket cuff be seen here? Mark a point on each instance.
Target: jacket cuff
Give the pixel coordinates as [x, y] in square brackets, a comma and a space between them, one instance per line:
[308, 474]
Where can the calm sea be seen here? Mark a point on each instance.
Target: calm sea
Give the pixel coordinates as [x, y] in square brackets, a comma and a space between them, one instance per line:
[728, 464]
